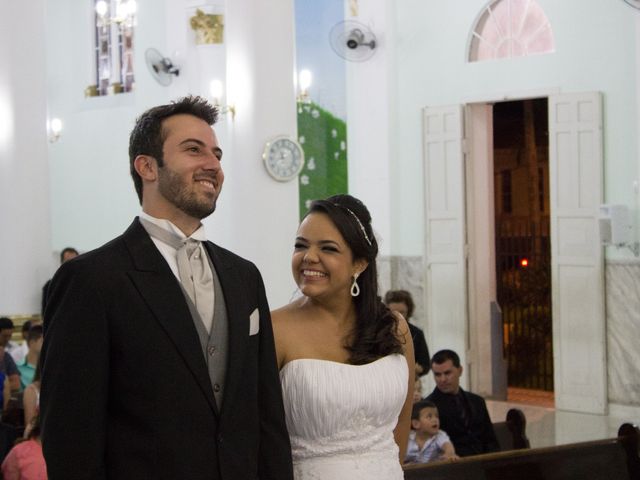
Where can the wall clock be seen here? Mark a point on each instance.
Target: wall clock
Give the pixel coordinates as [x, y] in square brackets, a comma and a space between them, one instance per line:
[283, 158]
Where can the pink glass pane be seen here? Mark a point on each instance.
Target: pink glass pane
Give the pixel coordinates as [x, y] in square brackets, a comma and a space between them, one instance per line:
[491, 31]
[511, 28]
[484, 50]
[510, 48]
[501, 14]
[519, 11]
[541, 43]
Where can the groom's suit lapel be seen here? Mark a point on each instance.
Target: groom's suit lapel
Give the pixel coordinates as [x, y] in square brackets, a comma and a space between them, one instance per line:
[160, 290]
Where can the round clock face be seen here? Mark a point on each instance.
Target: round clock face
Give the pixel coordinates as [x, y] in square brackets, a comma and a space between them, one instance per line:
[283, 158]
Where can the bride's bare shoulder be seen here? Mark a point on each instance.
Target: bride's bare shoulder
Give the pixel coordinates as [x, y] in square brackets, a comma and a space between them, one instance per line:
[287, 331]
[286, 318]
[285, 312]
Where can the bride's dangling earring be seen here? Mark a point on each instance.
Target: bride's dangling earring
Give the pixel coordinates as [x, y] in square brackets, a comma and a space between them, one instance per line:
[355, 288]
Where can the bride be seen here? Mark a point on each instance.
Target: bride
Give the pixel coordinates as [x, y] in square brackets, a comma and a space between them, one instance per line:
[345, 359]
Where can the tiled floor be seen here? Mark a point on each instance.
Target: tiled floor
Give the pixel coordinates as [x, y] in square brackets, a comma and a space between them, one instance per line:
[547, 427]
[525, 396]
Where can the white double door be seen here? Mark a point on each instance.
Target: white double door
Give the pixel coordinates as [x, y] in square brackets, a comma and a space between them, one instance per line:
[576, 191]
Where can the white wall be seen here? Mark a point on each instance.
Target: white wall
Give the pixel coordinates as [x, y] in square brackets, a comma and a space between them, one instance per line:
[420, 61]
[260, 69]
[25, 235]
[369, 126]
[93, 198]
[595, 50]
[637, 128]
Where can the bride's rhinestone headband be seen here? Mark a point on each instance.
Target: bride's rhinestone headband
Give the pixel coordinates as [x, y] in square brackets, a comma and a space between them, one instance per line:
[364, 232]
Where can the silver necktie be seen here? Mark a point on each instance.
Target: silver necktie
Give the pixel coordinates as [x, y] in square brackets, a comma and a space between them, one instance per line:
[193, 268]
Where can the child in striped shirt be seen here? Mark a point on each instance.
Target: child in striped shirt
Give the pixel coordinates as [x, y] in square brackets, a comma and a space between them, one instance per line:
[427, 442]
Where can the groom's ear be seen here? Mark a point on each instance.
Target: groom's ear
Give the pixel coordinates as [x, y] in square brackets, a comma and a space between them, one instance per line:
[147, 167]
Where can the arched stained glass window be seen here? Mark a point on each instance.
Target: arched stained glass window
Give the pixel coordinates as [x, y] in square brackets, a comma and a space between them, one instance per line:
[511, 28]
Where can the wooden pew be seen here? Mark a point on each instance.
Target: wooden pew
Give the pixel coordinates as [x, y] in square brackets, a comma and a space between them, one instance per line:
[609, 459]
[511, 433]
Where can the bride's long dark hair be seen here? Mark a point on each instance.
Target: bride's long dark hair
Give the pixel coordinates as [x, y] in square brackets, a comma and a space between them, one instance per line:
[375, 334]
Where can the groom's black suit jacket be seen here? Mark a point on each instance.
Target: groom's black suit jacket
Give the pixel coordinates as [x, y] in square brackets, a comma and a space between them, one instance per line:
[125, 389]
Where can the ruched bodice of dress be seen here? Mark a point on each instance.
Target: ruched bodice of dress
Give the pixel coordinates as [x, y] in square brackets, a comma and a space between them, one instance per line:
[341, 417]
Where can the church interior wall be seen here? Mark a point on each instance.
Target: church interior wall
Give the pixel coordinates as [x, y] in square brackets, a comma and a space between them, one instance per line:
[596, 50]
[25, 238]
[432, 70]
[82, 185]
[90, 177]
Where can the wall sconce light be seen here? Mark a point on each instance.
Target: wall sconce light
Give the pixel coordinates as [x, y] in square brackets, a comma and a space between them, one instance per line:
[216, 91]
[55, 128]
[304, 82]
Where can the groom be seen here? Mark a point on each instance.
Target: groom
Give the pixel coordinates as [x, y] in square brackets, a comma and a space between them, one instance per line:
[158, 359]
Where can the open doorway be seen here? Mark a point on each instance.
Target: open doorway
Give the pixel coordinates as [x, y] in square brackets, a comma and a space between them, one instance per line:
[460, 246]
[522, 246]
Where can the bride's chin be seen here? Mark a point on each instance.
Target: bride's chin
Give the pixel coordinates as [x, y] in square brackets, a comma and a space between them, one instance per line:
[311, 291]
[306, 290]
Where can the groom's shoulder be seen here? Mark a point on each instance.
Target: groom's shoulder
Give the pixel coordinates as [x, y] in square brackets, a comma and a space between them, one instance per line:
[232, 259]
[108, 255]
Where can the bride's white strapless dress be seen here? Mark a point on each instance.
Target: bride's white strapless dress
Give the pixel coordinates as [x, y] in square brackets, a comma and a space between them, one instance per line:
[341, 417]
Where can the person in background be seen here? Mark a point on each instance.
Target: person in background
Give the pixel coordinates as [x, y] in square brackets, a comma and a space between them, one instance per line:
[463, 415]
[5, 391]
[417, 389]
[28, 367]
[65, 255]
[31, 398]
[401, 301]
[25, 460]
[7, 364]
[427, 443]
[19, 351]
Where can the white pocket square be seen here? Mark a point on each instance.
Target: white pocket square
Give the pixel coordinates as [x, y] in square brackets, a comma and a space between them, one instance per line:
[254, 322]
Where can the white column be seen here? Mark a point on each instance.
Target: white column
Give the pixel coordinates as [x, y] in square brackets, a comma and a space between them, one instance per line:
[370, 153]
[260, 72]
[25, 221]
[636, 183]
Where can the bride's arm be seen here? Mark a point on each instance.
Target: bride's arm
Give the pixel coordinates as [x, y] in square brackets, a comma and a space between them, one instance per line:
[279, 333]
[401, 432]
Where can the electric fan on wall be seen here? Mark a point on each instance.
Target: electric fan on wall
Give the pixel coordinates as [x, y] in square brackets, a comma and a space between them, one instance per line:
[352, 41]
[161, 68]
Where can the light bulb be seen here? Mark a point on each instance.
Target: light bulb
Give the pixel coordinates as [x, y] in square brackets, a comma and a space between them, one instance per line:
[101, 8]
[122, 9]
[56, 126]
[304, 78]
[133, 7]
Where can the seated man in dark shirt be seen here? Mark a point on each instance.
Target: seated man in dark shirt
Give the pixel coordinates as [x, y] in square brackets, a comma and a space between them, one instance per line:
[463, 415]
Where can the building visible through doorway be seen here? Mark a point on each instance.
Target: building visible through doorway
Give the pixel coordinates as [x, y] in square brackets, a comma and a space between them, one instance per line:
[523, 253]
